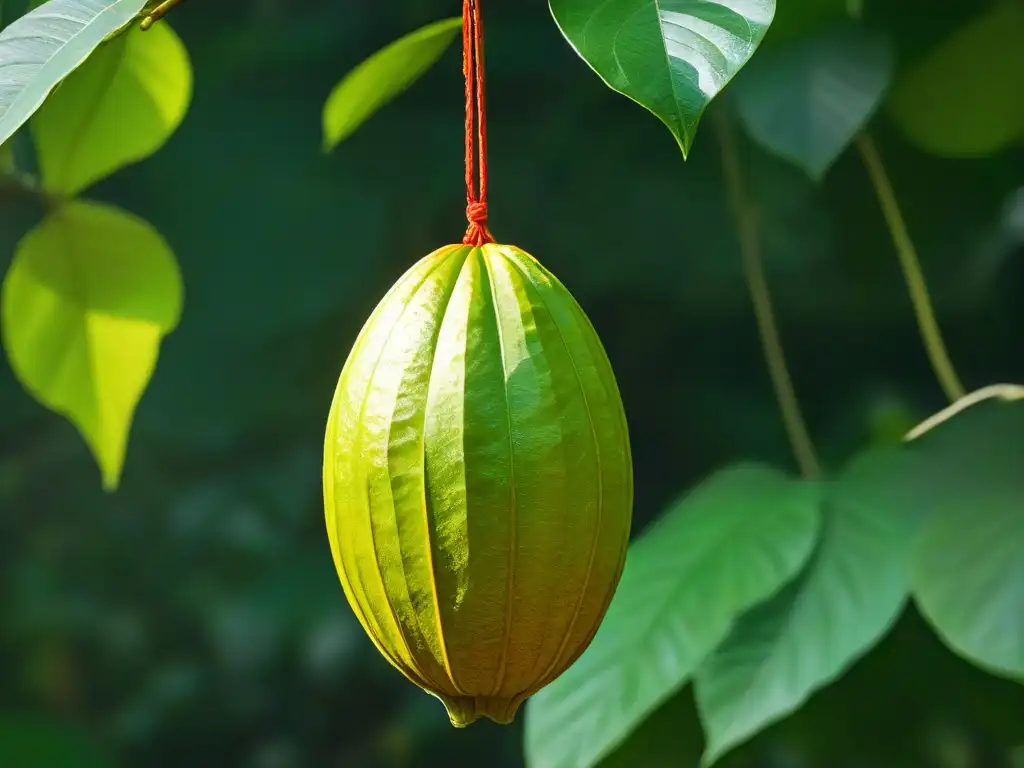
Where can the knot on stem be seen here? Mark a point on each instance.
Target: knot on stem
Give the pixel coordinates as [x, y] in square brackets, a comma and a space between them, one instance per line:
[477, 233]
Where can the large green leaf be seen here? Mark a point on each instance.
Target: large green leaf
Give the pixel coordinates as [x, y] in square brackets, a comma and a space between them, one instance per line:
[89, 295]
[806, 101]
[726, 546]
[382, 77]
[848, 597]
[968, 568]
[117, 108]
[966, 99]
[42, 47]
[670, 56]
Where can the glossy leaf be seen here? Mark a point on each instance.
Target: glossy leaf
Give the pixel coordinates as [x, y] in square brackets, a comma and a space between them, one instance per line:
[966, 99]
[383, 77]
[723, 548]
[968, 567]
[89, 295]
[119, 107]
[670, 56]
[45, 45]
[850, 594]
[806, 101]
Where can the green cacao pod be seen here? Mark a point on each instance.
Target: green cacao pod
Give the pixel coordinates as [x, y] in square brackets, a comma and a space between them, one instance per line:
[478, 484]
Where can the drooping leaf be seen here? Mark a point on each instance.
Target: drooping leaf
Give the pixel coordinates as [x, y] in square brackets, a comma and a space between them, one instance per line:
[806, 101]
[670, 56]
[966, 99]
[383, 77]
[89, 295]
[726, 546]
[850, 594]
[39, 743]
[119, 107]
[42, 47]
[968, 568]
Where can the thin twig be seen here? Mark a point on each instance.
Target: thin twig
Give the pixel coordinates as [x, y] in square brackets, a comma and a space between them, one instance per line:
[750, 246]
[157, 13]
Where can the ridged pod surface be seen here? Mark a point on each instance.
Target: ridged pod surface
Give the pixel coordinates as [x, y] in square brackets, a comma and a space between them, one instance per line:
[478, 484]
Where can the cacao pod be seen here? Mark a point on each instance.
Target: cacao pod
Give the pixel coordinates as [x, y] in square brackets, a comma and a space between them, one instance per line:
[478, 484]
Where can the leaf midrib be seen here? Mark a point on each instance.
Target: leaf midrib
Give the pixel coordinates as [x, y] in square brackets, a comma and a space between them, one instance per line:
[668, 65]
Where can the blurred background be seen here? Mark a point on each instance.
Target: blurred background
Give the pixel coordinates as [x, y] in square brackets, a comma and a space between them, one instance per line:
[194, 617]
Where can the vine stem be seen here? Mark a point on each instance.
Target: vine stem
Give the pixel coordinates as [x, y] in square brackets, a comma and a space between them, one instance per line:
[911, 265]
[757, 284]
[1006, 392]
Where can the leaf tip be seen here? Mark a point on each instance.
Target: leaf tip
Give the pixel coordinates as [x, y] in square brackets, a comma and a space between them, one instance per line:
[111, 482]
[817, 174]
[110, 460]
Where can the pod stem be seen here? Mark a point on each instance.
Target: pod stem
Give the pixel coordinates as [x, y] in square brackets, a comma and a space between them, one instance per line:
[753, 269]
[911, 265]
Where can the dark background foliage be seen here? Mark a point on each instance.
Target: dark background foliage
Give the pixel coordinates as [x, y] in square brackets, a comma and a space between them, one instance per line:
[195, 617]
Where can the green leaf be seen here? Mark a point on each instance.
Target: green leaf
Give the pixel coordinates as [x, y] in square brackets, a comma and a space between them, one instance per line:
[805, 102]
[968, 567]
[45, 45]
[89, 295]
[670, 56]
[964, 99]
[37, 743]
[383, 77]
[119, 107]
[723, 548]
[846, 600]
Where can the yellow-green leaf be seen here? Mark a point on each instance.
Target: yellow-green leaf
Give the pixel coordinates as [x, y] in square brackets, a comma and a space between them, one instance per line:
[966, 99]
[382, 77]
[89, 295]
[119, 107]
